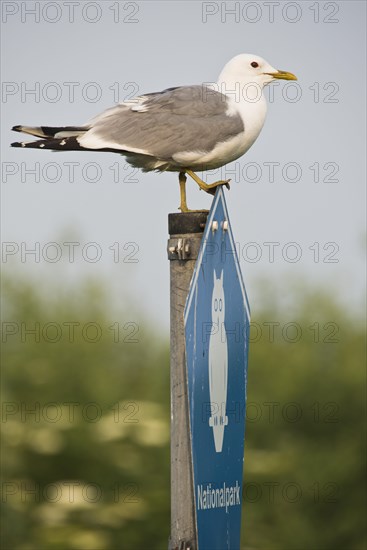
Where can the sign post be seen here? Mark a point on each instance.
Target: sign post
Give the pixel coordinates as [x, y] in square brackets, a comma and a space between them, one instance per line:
[186, 231]
[210, 321]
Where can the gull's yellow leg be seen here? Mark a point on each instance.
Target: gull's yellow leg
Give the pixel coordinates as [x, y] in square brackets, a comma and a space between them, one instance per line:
[204, 186]
[182, 180]
[183, 205]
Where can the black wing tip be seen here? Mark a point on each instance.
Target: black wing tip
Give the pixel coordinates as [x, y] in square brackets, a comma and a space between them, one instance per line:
[16, 143]
[17, 128]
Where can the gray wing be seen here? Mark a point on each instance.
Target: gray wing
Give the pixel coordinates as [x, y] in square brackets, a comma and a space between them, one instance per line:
[187, 118]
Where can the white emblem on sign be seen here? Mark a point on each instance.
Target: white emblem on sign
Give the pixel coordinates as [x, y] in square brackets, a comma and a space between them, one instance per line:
[218, 365]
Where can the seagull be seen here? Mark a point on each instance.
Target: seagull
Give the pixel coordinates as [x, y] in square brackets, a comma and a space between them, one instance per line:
[183, 129]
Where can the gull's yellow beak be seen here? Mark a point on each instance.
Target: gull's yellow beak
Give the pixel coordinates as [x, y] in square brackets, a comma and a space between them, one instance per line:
[283, 75]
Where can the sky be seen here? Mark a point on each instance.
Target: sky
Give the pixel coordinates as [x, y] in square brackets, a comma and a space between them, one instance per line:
[297, 199]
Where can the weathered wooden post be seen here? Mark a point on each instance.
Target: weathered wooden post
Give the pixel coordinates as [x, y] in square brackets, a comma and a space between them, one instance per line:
[186, 231]
[210, 326]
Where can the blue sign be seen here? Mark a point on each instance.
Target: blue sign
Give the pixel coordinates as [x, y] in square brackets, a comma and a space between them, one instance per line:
[217, 324]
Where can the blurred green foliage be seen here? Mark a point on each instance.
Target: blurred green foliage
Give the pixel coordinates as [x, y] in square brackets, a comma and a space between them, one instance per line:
[85, 425]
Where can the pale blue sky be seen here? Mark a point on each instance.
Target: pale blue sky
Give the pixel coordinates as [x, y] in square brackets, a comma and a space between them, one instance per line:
[320, 135]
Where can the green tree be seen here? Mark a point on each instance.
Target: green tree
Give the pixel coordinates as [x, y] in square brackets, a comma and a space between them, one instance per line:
[85, 425]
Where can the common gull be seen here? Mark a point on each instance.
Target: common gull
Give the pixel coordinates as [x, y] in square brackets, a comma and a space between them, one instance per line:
[183, 129]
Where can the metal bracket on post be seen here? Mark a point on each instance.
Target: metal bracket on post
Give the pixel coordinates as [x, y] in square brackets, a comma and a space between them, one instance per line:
[183, 248]
[186, 231]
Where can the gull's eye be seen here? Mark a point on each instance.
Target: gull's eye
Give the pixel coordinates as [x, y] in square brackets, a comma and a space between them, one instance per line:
[254, 64]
